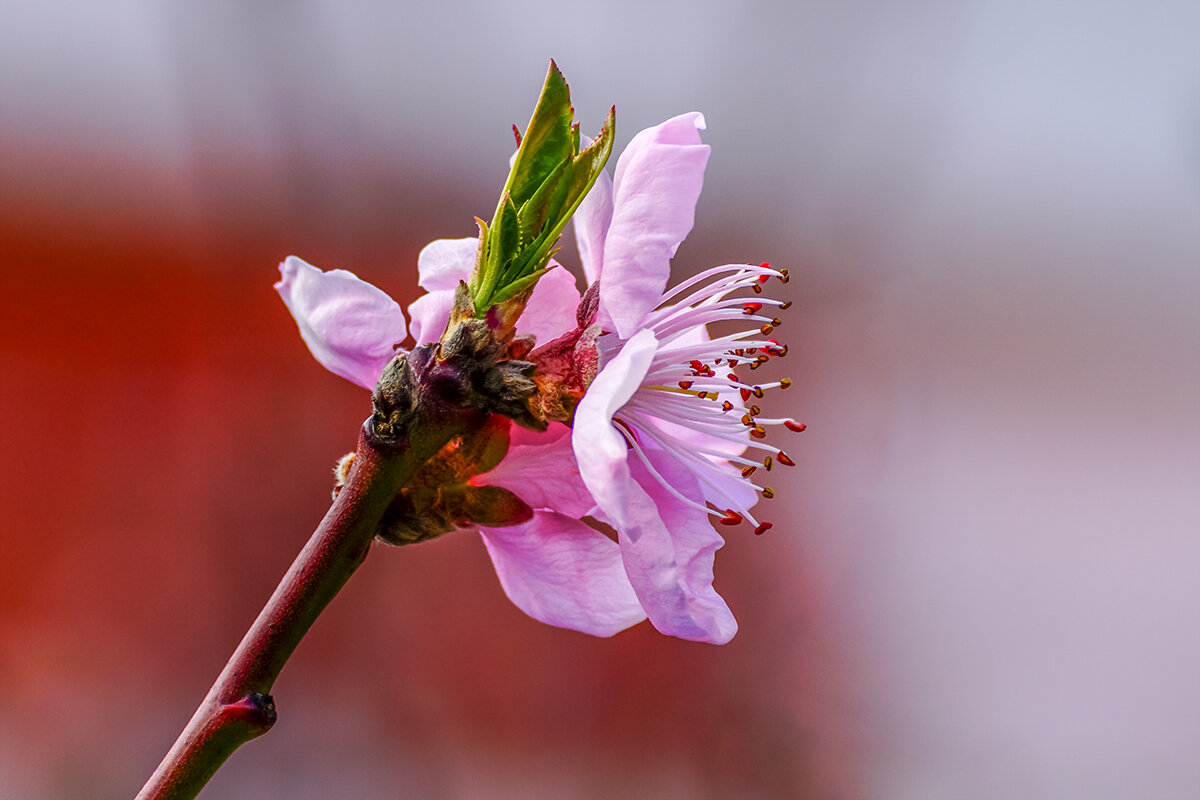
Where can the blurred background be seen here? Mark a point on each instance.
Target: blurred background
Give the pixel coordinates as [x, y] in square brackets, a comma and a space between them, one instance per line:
[982, 578]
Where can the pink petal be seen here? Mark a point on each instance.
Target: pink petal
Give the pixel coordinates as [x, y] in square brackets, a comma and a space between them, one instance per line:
[350, 326]
[445, 262]
[561, 572]
[591, 221]
[668, 548]
[599, 447]
[541, 469]
[429, 314]
[657, 184]
[551, 309]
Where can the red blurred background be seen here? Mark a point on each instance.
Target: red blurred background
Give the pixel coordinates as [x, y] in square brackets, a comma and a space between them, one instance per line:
[980, 581]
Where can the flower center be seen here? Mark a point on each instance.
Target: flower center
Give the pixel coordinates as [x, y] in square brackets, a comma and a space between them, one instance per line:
[692, 403]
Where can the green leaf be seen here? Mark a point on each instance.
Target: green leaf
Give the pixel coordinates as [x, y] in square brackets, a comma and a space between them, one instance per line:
[547, 141]
[549, 178]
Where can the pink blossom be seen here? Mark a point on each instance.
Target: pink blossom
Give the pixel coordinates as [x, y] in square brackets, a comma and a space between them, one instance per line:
[661, 431]
[554, 567]
[660, 437]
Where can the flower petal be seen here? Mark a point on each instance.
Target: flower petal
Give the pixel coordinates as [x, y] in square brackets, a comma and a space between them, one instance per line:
[657, 184]
[591, 221]
[445, 262]
[350, 326]
[429, 314]
[550, 311]
[541, 469]
[600, 449]
[561, 572]
[668, 548]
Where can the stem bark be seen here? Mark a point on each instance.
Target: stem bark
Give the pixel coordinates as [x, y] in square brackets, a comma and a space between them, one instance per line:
[239, 706]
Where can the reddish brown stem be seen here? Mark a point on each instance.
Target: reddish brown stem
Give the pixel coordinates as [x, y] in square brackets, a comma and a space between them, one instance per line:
[239, 706]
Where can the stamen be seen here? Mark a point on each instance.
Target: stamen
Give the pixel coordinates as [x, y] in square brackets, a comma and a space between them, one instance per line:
[755, 411]
[731, 518]
[752, 308]
[768, 492]
[783, 459]
[791, 425]
[748, 471]
[685, 385]
[768, 463]
[786, 305]
[786, 383]
[763, 528]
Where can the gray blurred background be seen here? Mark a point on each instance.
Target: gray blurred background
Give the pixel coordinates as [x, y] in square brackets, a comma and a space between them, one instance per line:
[982, 579]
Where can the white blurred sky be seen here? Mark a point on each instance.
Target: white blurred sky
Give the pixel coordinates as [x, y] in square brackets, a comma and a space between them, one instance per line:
[994, 212]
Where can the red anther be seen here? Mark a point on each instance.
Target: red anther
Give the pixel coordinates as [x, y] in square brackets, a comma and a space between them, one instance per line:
[733, 378]
[746, 395]
[763, 358]
[731, 517]
[748, 420]
[764, 278]
[752, 308]
[739, 352]
[696, 365]
[517, 134]
[685, 385]
[707, 371]
[791, 425]
[785, 383]
[748, 471]
[756, 364]
[768, 492]
[755, 411]
[758, 433]
[752, 351]
[765, 265]
[758, 392]
[727, 406]
[783, 459]
[763, 528]
[768, 463]
[702, 395]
